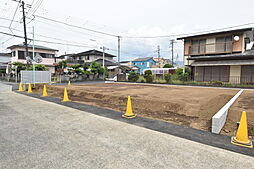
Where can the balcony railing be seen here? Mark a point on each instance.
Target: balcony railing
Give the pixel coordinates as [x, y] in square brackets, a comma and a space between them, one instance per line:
[212, 48]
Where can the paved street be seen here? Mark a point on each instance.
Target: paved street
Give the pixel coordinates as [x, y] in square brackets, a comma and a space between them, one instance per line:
[40, 134]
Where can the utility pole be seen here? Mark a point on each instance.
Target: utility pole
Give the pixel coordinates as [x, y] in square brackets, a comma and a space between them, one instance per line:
[103, 59]
[172, 50]
[33, 58]
[159, 55]
[24, 22]
[118, 51]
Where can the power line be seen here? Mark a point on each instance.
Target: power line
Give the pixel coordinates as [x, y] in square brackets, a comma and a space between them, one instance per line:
[14, 15]
[44, 41]
[37, 5]
[75, 26]
[8, 19]
[46, 37]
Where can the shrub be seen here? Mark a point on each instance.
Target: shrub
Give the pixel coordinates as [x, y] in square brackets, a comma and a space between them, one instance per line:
[133, 77]
[2, 71]
[216, 83]
[148, 72]
[148, 76]
[167, 78]
[168, 66]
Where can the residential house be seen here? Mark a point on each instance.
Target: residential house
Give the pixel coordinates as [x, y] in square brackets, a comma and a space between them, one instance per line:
[114, 71]
[143, 63]
[94, 55]
[5, 59]
[226, 56]
[160, 62]
[48, 55]
[125, 63]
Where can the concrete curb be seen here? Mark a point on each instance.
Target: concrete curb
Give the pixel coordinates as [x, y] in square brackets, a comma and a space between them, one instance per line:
[219, 119]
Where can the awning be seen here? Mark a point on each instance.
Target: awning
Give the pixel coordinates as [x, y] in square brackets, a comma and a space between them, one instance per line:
[222, 63]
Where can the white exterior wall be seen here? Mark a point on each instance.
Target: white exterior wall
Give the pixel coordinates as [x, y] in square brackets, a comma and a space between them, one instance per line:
[48, 62]
[95, 57]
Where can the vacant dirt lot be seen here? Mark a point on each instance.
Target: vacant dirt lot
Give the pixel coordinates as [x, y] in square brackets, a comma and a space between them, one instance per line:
[244, 103]
[190, 106]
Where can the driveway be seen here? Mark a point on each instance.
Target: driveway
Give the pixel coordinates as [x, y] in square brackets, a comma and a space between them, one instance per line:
[39, 134]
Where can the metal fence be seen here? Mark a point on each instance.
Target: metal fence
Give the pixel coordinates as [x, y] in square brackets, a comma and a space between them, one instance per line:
[35, 77]
[226, 79]
[9, 77]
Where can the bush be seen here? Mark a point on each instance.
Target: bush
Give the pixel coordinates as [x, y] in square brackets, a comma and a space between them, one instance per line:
[2, 71]
[167, 77]
[133, 77]
[216, 83]
[181, 76]
[148, 76]
[148, 72]
[168, 66]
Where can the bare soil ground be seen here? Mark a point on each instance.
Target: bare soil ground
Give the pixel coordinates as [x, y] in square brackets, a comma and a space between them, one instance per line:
[189, 106]
[244, 103]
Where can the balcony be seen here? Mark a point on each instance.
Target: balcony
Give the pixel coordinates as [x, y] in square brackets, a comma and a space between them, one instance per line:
[212, 48]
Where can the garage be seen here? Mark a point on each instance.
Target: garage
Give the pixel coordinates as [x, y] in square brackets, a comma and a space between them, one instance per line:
[211, 73]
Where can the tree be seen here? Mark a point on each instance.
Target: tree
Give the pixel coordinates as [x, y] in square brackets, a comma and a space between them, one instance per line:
[181, 75]
[38, 67]
[61, 65]
[133, 77]
[148, 76]
[97, 69]
[168, 66]
[19, 66]
[78, 69]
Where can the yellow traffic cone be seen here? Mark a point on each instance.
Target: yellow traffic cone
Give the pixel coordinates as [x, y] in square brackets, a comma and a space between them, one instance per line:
[69, 83]
[129, 114]
[20, 87]
[29, 88]
[44, 93]
[241, 138]
[65, 98]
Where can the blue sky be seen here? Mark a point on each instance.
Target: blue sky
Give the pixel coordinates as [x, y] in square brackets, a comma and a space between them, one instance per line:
[125, 18]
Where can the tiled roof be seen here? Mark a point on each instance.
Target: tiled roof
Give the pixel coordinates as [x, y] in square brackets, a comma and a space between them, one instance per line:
[31, 46]
[142, 59]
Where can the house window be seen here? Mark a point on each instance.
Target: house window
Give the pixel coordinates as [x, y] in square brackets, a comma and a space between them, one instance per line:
[142, 63]
[198, 46]
[148, 64]
[21, 55]
[224, 44]
[13, 53]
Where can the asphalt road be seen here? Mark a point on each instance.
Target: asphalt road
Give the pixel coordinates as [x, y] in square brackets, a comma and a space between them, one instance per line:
[39, 134]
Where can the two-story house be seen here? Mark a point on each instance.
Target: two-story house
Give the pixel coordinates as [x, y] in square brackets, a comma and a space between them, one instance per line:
[48, 55]
[5, 59]
[143, 63]
[226, 56]
[160, 62]
[94, 55]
